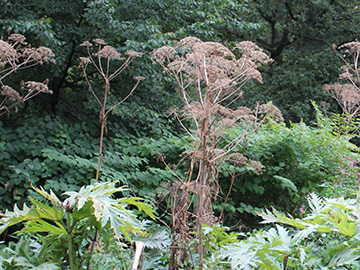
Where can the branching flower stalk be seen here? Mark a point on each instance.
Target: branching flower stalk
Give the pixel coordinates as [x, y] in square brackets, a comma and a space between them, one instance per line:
[99, 55]
[209, 77]
[100, 59]
[15, 55]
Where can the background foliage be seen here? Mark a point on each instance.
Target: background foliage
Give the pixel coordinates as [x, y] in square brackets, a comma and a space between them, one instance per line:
[53, 140]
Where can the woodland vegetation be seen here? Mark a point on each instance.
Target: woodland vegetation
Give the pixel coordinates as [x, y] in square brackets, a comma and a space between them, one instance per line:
[183, 134]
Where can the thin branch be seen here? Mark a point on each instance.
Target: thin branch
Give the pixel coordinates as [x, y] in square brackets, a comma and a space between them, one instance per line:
[132, 90]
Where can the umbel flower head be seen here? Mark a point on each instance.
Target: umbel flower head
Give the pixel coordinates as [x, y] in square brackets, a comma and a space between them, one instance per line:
[10, 93]
[36, 86]
[212, 63]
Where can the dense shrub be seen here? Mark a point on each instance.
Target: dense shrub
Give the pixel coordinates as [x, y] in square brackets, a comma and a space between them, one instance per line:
[296, 159]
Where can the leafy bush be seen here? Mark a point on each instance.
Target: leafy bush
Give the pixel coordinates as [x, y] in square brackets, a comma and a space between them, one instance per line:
[59, 154]
[296, 159]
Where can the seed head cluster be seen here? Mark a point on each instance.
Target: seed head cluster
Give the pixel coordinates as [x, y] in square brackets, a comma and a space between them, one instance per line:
[347, 91]
[16, 54]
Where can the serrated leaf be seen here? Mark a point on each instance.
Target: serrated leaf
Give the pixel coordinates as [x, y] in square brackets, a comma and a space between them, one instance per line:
[40, 225]
[46, 211]
[50, 196]
[159, 240]
[140, 205]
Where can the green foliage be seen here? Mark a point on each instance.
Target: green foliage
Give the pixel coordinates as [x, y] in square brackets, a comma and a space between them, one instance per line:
[25, 254]
[215, 238]
[296, 160]
[326, 238]
[59, 154]
[344, 124]
[72, 221]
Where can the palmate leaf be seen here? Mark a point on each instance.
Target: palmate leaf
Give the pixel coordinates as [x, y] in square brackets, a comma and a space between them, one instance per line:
[10, 218]
[98, 191]
[266, 250]
[47, 212]
[327, 216]
[108, 210]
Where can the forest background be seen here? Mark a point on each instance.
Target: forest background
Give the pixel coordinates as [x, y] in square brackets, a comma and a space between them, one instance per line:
[52, 140]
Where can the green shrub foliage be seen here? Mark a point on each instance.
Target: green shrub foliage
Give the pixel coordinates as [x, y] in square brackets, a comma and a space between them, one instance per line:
[296, 159]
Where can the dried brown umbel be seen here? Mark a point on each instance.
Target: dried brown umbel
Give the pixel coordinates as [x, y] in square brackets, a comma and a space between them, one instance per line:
[17, 38]
[99, 55]
[16, 54]
[109, 52]
[99, 41]
[132, 53]
[347, 91]
[36, 86]
[350, 47]
[10, 93]
[7, 53]
[86, 44]
[272, 110]
[84, 61]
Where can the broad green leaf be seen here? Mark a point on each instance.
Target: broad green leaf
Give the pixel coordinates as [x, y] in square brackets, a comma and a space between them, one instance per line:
[140, 205]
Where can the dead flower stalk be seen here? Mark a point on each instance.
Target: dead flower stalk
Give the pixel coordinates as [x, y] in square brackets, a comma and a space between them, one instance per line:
[209, 77]
[99, 55]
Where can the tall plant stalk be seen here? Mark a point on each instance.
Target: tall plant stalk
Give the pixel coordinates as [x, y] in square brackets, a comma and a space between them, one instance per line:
[209, 77]
[100, 59]
[70, 244]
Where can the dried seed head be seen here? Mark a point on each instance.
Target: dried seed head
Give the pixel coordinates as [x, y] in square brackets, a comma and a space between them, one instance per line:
[253, 73]
[17, 38]
[139, 78]
[40, 55]
[99, 41]
[259, 169]
[10, 93]
[86, 44]
[254, 52]
[6, 51]
[211, 49]
[45, 54]
[133, 53]
[188, 42]
[350, 47]
[344, 93]
[84, 61]
[272, 110]
[165, 53]
[36, 86]
[109, 52]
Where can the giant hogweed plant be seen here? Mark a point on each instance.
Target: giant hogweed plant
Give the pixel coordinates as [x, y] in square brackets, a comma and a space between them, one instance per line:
[15, 55]
[326, 237]
[100, 55]
[209, 77]
[65, 228]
